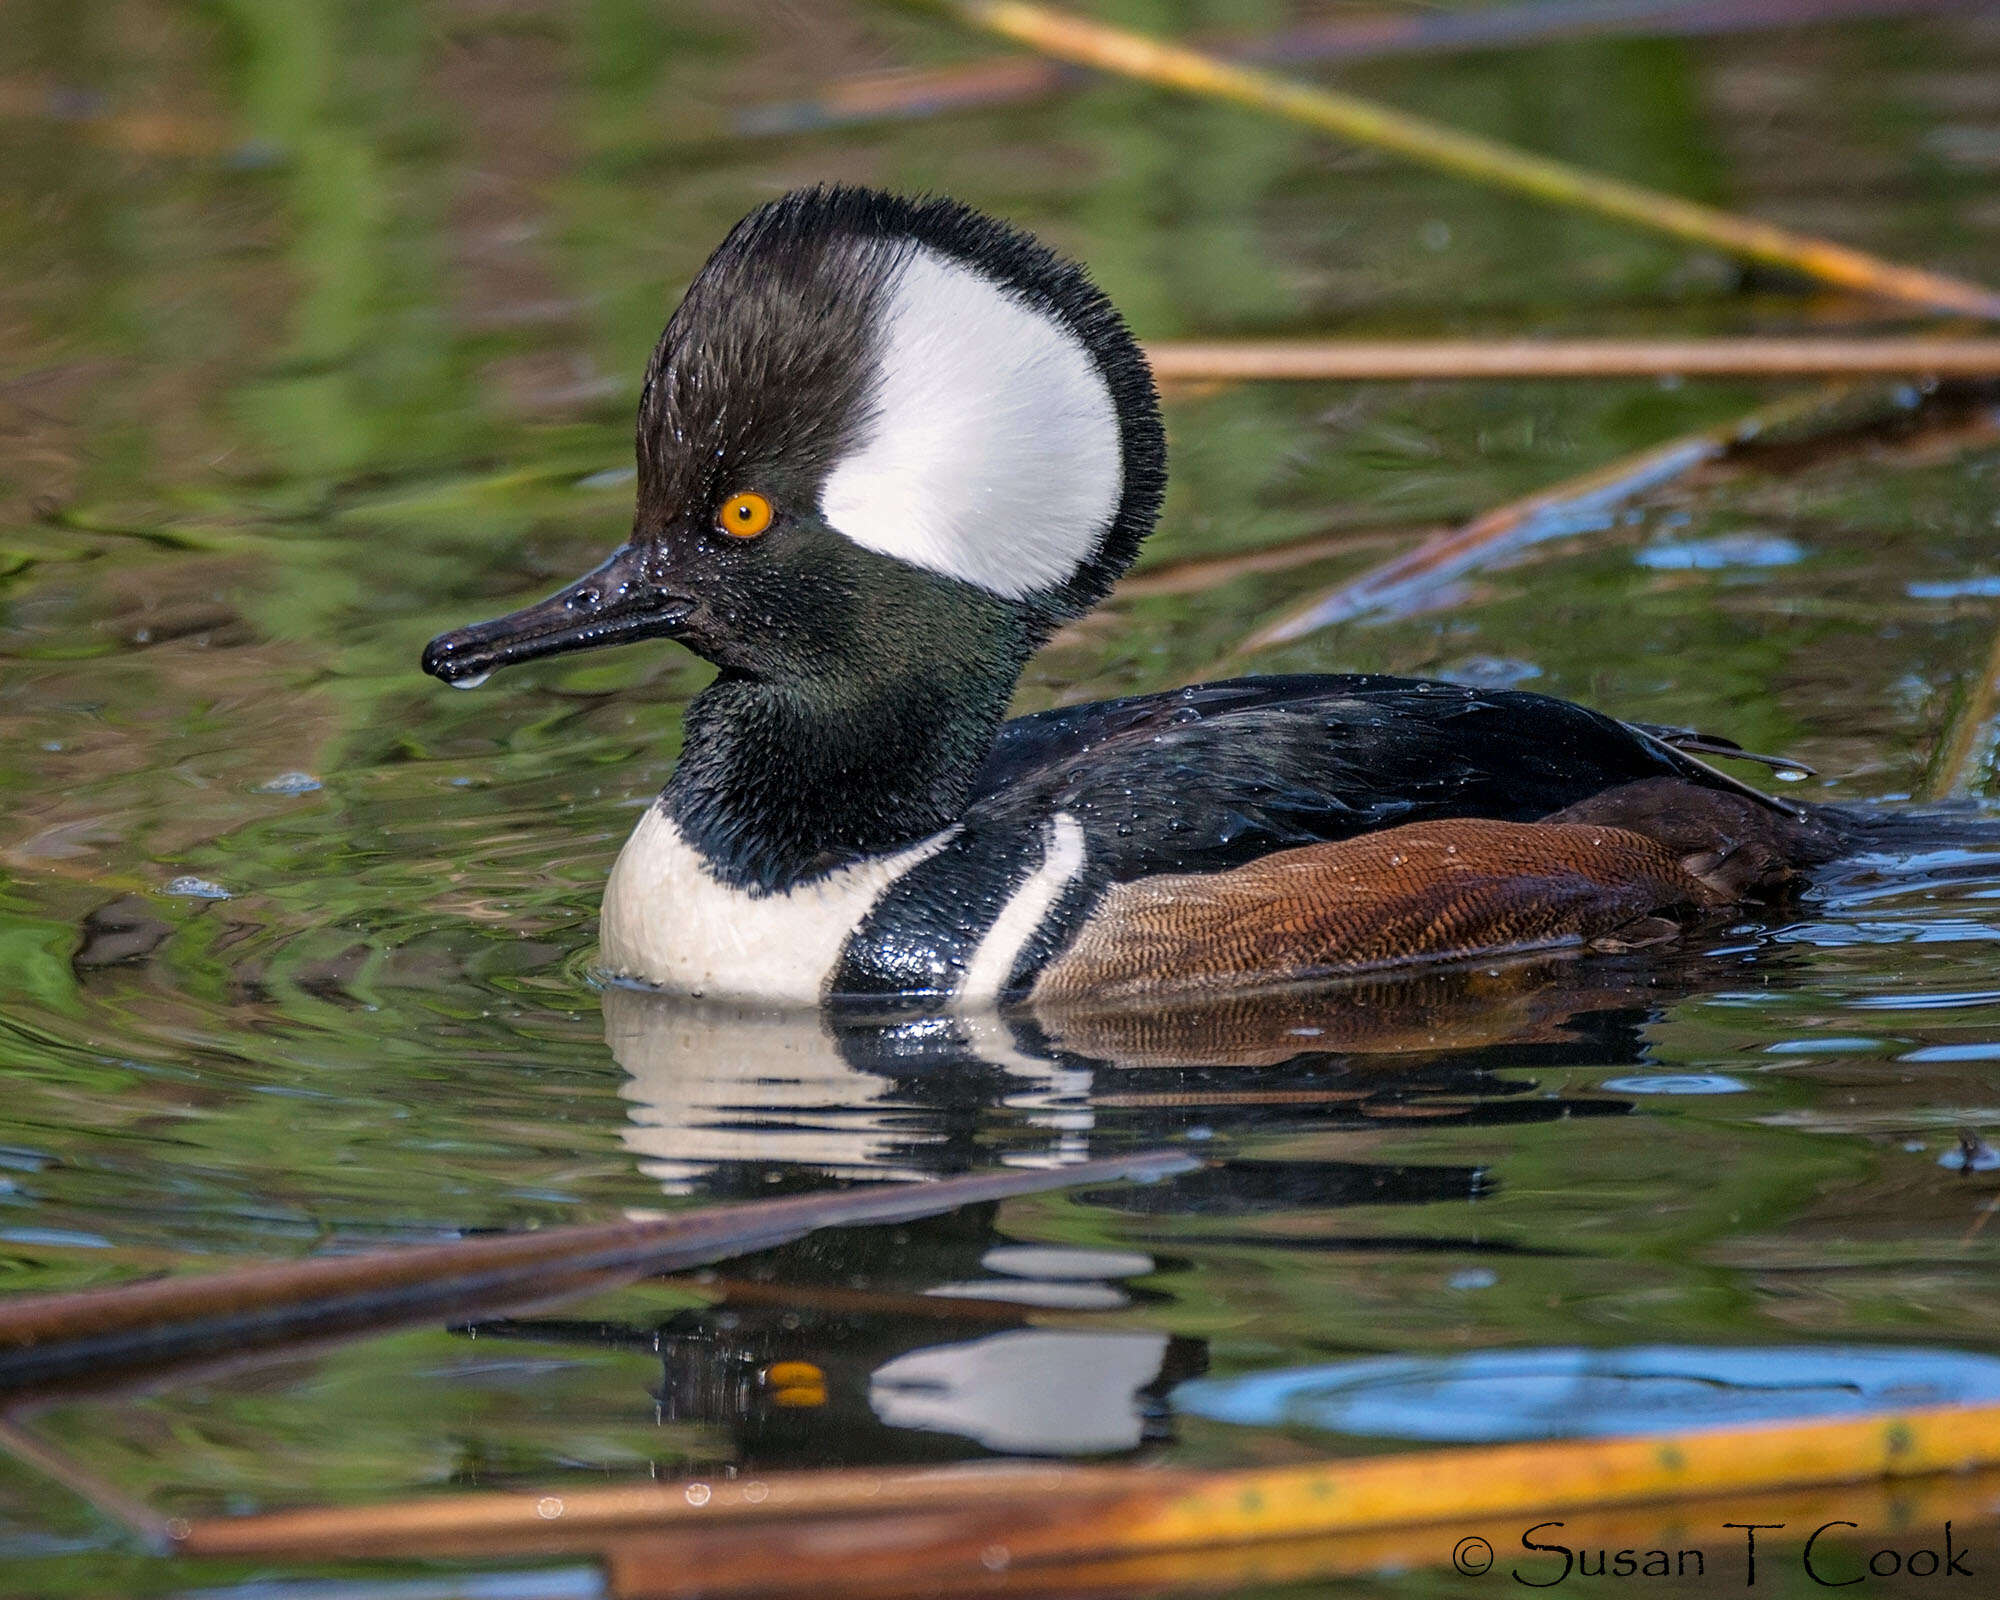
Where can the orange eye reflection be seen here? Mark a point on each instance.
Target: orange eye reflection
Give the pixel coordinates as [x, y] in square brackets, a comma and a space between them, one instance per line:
[745, 515]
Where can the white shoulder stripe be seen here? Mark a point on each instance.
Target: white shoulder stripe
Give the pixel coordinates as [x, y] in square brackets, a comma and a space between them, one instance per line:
[993, 453]
[1062, 859]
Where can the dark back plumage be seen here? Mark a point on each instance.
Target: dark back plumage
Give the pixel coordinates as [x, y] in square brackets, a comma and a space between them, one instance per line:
[1209, 777]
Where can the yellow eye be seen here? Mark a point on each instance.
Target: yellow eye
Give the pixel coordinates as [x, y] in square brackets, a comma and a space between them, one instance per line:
[745, 515]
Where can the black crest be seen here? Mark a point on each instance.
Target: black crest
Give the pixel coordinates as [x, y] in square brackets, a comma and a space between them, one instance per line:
[785, 307]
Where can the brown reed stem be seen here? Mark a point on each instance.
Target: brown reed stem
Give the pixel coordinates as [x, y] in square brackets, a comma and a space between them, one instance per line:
[51, 1336]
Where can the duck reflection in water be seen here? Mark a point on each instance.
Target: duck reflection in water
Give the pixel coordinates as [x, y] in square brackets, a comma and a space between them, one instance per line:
[730, 1101]
[951, 1338]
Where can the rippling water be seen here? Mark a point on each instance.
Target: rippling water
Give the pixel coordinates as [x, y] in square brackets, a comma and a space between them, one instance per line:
[318, 339]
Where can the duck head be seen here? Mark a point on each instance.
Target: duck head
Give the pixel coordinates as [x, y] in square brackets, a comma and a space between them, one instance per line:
[885, 447]
[869, 415]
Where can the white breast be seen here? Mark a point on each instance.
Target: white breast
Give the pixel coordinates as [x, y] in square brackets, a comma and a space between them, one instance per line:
[667, 920]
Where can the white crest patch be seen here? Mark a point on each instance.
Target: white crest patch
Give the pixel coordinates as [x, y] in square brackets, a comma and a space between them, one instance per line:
[993, 455]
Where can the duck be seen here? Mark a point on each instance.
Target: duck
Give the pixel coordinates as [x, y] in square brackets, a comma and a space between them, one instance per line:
[886, 447]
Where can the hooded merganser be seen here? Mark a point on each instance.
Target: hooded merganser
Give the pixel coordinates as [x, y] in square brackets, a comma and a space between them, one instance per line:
[886, 447]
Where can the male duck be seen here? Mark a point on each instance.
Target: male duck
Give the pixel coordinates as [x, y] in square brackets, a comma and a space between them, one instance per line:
[886, 447]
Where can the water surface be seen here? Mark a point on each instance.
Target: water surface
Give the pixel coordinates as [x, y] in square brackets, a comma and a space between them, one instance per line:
[318, 338]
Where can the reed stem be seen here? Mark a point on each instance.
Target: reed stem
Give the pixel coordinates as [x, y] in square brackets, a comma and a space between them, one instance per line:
[1063, 1512]
[1962, 755]
[1402, 361]
[1406, 582]
[104, 1332]
[902, 94]
[1134, 55]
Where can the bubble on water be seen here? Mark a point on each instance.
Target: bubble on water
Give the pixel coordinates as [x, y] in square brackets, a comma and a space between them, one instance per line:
[289, 783]
[1473, 1278]
[471, 682]
[1678, 1083]
[197, 889]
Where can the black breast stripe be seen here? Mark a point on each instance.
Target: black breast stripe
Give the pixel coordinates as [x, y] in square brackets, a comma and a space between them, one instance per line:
[920, 937]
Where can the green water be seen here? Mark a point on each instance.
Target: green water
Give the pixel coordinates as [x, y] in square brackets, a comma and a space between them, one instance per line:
[320, 328]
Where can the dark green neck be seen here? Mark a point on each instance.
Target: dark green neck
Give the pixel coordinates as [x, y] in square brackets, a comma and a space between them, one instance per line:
[779, 783]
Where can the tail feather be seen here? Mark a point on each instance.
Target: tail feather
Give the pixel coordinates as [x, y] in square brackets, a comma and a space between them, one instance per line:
[1739, 845]
[1901, 829]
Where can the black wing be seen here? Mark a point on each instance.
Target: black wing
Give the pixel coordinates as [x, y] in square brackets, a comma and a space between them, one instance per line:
[1206, 778]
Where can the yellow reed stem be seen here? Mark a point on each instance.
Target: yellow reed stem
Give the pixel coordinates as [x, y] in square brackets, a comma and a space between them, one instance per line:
[1398, 361]
[884, 1559]
[1059, 1512]
[1523, 1479]
[1133, 55]
[1956, 772]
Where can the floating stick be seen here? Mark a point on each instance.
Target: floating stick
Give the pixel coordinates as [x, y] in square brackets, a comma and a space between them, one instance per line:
[1058, 1512]
[888, 1568]
[46, 1337]
[878, 1560]
[1363, 361]
[1199, 574]
[114, 1503]
[1134, 55]
[1579, 505]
